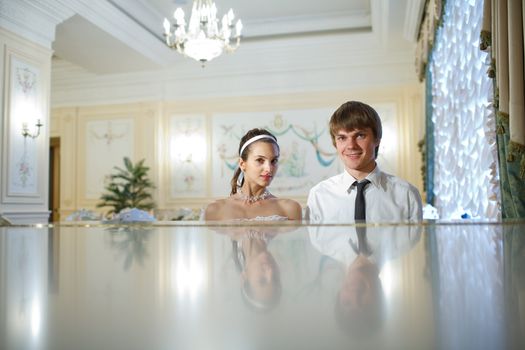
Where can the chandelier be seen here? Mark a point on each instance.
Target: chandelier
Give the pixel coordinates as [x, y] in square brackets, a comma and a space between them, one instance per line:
[202, 39]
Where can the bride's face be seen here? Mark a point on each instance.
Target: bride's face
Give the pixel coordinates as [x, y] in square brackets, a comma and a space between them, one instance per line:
[261, 164]
[262, 276]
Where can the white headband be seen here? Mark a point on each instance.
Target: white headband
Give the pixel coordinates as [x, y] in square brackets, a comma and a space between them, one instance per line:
[256, 138]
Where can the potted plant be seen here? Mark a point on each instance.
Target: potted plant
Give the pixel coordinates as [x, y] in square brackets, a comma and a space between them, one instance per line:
[128, 188]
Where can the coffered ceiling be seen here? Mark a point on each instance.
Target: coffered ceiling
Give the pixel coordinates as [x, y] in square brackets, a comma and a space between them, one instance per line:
[117, 36]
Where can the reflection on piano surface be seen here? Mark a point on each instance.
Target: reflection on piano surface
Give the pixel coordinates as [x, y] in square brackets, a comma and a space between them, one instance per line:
[269, 285]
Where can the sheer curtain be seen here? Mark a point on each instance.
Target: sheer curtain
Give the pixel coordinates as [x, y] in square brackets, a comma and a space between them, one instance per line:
[465, 179]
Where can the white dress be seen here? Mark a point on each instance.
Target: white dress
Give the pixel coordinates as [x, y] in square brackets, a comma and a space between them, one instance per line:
[257, 233]
[266, 218]
[257, 218]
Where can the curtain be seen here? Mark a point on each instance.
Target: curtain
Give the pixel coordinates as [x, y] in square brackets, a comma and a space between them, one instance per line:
[425, 43]
[427, 34]
[429, 140]
[502, 36]
[460, 121]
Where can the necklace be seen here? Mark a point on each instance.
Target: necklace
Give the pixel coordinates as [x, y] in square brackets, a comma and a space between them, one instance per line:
[253, 199]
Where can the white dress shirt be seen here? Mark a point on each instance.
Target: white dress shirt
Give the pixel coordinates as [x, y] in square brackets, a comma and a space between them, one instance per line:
[386, 243]
[388, 199]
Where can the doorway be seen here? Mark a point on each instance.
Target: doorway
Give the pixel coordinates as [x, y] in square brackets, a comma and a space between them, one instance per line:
[54, 179]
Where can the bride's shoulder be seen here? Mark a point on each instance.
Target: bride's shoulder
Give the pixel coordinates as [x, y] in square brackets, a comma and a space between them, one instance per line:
[215, 210]
[292, 208]
[288, 202]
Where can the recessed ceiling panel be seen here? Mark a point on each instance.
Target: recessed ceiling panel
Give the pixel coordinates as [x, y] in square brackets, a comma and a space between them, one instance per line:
[81, 42]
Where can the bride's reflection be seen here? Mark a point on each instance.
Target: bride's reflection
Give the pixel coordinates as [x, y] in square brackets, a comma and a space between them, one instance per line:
[360, 301]
[130, 242]
[260, 276]
[257, 268]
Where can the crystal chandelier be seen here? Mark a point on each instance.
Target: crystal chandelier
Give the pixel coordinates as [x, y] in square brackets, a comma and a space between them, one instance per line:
[202, 39]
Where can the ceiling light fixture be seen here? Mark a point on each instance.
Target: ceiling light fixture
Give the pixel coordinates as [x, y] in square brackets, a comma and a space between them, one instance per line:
[203, 39]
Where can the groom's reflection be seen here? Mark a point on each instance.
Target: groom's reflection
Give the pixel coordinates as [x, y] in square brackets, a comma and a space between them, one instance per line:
[362, 251]
[359, 303]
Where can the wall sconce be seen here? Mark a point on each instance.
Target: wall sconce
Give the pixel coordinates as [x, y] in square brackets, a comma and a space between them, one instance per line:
[26, 133]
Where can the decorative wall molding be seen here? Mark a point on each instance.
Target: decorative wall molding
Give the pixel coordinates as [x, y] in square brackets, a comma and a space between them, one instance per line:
[26, 217]
[115, 139]
[24, 104]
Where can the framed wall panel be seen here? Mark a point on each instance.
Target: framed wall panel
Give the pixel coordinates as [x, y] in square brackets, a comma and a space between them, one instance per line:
[23, 170]
[107, 143]
[24, 110]
[188, 156]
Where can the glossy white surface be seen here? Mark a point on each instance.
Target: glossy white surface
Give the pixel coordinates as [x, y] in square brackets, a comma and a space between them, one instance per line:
[260, 286]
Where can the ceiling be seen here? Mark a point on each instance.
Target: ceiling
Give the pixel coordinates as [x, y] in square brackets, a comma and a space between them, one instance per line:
[279, 17]
[126, 35]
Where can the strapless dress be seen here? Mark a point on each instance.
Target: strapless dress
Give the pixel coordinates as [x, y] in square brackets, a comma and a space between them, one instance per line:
[265, 218]
[257, 218]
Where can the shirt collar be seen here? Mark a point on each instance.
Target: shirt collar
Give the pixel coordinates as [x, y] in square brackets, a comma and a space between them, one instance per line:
[374, 177]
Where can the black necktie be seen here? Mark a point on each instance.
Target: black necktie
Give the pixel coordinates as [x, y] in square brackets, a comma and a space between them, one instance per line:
[360, 208]
[360, 216]
[362, 246]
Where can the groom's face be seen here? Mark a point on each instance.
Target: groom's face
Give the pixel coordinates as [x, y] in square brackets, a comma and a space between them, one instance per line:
[356, 148]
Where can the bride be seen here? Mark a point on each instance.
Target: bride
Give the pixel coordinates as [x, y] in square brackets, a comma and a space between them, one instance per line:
[249, 198]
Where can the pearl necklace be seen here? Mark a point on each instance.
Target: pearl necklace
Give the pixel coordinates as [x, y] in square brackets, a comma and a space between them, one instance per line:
[253, 199]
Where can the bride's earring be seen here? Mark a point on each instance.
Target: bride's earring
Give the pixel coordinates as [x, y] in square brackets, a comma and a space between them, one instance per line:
[240, 179]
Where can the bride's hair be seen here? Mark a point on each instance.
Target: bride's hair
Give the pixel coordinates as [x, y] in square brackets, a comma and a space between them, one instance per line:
[235, 183]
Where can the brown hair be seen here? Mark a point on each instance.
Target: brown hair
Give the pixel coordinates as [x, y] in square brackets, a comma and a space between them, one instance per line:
[246, 151]
[353, 115]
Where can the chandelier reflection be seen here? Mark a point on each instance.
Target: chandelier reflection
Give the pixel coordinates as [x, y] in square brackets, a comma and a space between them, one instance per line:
[204, 38]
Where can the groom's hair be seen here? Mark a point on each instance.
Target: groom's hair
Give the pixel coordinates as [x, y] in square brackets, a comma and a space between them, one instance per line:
[353, 115]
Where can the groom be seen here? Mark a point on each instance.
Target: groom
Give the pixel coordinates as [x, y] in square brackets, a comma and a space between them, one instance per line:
[355, 129]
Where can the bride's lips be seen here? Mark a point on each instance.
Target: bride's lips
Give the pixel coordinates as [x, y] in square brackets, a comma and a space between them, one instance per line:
[267, 177]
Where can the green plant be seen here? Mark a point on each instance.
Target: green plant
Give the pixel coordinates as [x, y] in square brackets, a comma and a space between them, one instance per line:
[128, 188]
